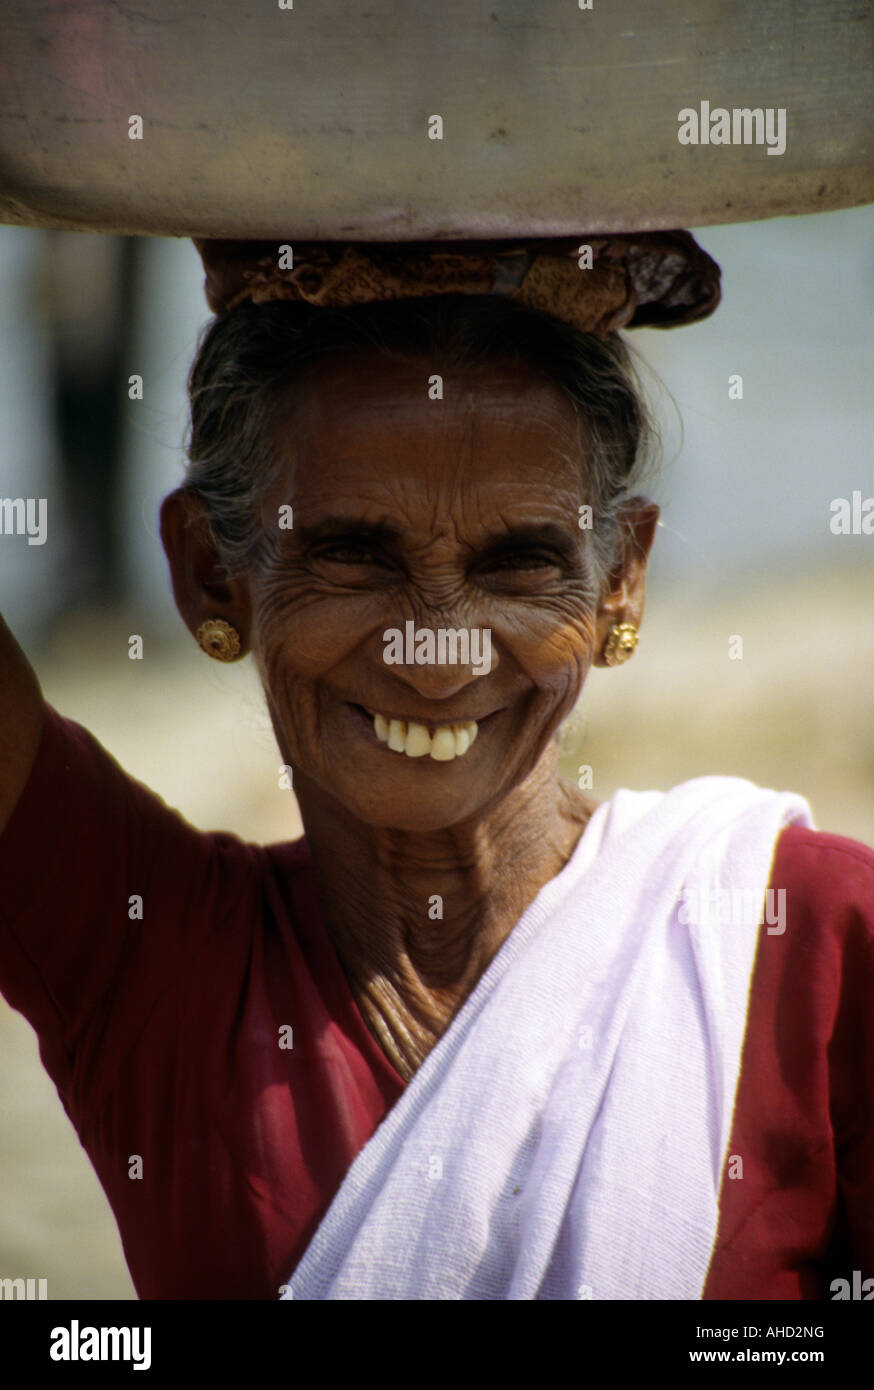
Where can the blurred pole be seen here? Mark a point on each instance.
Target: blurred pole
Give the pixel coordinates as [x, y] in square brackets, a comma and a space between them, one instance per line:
[92, 283]
[168, 312]
[31, 576]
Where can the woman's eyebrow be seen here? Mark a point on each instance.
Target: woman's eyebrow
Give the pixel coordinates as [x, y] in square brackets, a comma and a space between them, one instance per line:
[345, 528]
[527, 535]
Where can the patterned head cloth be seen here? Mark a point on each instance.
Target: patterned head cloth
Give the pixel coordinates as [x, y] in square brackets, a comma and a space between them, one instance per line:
[596, 283]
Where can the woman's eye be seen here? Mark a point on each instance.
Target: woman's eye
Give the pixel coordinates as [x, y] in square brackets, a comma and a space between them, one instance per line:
[526, 560]
[349, 555]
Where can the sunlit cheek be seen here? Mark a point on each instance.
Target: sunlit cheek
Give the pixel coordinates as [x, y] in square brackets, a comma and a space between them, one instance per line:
[312, 632]
[304, 727]
[561, 651]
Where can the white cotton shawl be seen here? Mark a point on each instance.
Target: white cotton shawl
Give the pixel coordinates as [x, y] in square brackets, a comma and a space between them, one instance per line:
[567, 1136]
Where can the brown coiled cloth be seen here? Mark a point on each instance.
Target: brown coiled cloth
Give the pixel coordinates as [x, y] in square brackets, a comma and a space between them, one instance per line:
[636, 279]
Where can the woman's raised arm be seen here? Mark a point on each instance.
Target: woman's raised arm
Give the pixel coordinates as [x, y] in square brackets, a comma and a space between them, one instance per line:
[21, 717]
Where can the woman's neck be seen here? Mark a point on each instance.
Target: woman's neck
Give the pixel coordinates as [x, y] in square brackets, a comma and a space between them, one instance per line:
[415, 919]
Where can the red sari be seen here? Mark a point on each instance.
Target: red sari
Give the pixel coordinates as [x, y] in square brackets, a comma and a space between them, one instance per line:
[220, 1150]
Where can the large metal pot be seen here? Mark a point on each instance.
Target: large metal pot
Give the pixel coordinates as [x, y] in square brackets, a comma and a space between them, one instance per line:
[258, 120]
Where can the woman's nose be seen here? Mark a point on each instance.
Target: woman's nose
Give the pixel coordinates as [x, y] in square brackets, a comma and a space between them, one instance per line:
[438, 661]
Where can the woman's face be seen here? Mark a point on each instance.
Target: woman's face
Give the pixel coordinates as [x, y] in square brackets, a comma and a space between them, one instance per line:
[460, 513]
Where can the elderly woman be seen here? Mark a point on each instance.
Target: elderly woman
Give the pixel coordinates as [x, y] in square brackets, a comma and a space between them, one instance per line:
[474, 1035]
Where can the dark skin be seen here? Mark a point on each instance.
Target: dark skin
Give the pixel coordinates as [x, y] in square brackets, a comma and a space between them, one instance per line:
[451, 482]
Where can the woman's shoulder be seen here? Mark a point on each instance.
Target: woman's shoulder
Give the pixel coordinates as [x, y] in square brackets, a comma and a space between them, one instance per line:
[823, 867]
[75, 779]
[824, 870]
[821, 954]
[88, 833]
[79, 806]
[806, 840]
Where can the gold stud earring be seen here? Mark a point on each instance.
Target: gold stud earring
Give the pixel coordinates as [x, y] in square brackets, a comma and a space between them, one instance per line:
[621, 641]
[218, 639]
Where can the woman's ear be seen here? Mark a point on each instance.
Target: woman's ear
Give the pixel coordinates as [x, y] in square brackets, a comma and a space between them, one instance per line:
[623, 599]
[201, 586]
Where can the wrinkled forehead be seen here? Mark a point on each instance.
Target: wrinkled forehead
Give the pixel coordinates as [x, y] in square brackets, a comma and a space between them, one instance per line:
[370, 419]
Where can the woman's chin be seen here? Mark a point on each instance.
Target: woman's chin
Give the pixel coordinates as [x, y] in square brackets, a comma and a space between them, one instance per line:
[413, 814]
[389, 789]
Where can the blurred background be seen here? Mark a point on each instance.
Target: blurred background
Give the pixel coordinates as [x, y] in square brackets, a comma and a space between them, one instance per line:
[745, 550]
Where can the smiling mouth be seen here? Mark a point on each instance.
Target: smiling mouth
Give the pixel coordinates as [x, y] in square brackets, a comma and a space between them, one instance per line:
[440, 742]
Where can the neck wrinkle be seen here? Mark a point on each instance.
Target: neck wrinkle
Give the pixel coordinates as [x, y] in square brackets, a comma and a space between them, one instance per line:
[410, 972]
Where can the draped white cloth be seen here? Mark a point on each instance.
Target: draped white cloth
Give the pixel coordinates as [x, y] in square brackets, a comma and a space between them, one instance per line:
[567, 1136]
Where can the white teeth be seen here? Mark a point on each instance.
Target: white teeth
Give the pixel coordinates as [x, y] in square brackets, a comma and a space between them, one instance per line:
[418, 741]
[443, 745]
[397, 735]
[447, 742]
